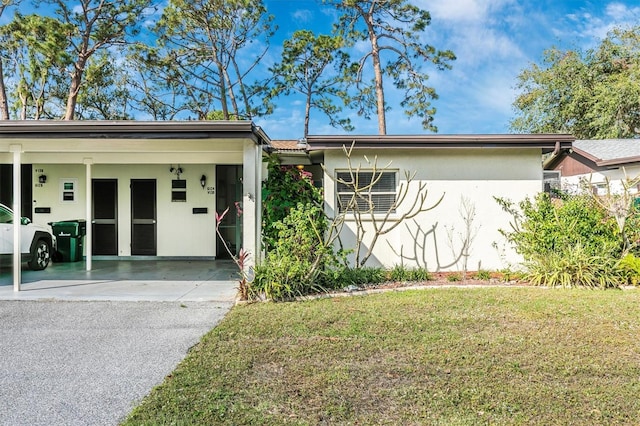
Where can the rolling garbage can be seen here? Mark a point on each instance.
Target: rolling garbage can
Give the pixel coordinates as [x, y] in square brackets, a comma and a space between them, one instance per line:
[69, 235]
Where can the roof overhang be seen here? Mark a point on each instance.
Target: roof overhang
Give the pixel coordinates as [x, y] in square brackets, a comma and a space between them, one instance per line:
[612, 163]
[546, 142]
[103, 129]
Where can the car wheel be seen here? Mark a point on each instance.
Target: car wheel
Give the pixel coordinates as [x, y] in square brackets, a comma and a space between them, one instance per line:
[40, 256]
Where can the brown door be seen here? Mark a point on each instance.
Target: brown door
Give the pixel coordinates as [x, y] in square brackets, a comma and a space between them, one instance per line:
[228, 193]
[105, 217]
[143, 217]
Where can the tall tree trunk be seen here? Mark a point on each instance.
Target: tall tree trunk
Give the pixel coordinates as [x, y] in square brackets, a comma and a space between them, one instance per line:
[232, 96]
[307, 111]
[377, 70]
[74, 89]
[4, 104]
[223, 92]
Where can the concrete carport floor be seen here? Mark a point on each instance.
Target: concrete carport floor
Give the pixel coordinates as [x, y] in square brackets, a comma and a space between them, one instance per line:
[72, 358]
[149, 279]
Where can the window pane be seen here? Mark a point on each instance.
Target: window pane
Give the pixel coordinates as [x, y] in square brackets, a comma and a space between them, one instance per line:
[380, 198]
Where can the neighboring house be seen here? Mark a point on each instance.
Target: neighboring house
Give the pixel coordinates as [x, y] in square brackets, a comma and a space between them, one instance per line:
[595, 163]
[147, 188]
[467, 171]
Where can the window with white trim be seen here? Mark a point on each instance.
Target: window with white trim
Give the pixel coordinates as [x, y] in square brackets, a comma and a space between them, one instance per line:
[551, 181]
[357, 189]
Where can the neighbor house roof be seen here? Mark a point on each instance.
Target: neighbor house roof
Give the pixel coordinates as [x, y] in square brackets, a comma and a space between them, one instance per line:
[290, 151]
[286, 145]
[548, 142]
[609, 152]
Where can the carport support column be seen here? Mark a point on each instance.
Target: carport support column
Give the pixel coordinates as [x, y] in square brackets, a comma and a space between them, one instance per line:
[250, 194]
[88, 239]
[17, 214]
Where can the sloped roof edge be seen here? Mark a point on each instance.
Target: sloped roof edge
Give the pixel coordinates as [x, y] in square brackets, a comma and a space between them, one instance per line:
[608, 152]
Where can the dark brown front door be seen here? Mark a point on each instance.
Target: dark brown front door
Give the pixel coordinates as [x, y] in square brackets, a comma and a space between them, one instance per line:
[143, 217]
[105, 217]
[228, 193]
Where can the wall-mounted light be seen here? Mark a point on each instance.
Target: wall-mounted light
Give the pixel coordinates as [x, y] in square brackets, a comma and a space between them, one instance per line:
[203, 181]
[42, 179]
[177, 170]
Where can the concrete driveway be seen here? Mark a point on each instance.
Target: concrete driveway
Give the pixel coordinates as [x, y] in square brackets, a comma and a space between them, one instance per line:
[80, 348]
[90, 363]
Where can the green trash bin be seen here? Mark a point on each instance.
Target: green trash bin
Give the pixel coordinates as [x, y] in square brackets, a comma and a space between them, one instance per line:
[69, 235]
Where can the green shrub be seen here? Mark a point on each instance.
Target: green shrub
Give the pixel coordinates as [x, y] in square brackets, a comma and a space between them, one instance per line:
[399, 273]
[402, 273]
[483, 275]
[566, 242]
[629, 267]
[574, 267]
[419, 274]
[297, 262]
[454, 277]
[344, 276]
[285, 188]
[546, 226]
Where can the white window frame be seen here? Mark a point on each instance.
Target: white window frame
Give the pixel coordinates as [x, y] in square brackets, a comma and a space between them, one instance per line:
[346, 175]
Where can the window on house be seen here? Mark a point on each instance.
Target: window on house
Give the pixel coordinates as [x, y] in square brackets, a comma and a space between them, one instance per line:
[377, 198]
[551, 182]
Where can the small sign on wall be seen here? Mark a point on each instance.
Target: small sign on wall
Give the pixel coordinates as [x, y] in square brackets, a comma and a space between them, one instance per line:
[68, 190]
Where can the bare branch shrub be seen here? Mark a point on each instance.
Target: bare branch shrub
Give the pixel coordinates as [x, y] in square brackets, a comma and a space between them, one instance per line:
[362, 209]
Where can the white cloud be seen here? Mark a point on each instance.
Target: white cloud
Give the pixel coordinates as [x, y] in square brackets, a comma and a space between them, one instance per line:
[592, 25]
[461, 11]
[302, 15]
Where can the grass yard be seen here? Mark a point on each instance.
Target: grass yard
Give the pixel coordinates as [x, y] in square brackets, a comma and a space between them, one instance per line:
[464, 356]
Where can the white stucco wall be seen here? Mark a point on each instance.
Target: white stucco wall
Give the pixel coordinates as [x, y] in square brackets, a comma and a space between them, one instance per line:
[476, 175]
[179, 231]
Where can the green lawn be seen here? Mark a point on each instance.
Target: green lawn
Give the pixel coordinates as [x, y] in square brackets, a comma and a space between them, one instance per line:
[438, 356]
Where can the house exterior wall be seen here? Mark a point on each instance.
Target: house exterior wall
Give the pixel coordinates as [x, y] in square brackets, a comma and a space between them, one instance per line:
[471, 176]
[179, 231]
[598, 179]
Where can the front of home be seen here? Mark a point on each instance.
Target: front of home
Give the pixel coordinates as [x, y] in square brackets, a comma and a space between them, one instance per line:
[145, 188]
[153, 188]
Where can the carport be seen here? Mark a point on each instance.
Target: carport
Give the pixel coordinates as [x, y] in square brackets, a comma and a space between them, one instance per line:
[182, 160]
[158, 280]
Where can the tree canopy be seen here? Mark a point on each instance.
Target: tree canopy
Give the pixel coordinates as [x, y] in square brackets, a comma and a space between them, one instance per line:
[593, 94]
[305, 60]
[203, 59]
[393, 31]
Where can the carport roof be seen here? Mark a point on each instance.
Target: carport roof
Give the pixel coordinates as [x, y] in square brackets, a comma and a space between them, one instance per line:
[105, 129]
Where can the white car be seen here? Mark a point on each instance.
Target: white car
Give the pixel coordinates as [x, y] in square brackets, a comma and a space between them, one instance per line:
[37, 243]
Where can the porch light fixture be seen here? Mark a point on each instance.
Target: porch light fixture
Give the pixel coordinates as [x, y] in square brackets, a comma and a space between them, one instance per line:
[203, 181]
[42, 179]
[177, 170]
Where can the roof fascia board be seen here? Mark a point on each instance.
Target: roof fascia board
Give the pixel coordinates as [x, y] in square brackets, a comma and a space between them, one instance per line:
[104, 129]
[546, 141]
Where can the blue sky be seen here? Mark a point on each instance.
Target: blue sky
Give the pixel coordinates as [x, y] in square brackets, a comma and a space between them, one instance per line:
[493, 41]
